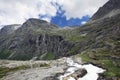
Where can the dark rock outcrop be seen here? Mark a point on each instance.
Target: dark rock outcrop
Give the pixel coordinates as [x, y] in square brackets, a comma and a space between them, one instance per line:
[79, 74]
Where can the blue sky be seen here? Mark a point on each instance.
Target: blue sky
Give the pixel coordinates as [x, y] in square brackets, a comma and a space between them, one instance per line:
[61, 20]
[60, 12]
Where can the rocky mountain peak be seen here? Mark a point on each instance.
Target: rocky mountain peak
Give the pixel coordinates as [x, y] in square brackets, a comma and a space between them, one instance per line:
[111, 8]
[34, 20]
[9, 29]
[37, 23]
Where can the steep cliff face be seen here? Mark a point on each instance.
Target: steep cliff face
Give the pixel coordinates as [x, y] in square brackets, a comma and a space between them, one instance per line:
[35, 38]
[42, 46]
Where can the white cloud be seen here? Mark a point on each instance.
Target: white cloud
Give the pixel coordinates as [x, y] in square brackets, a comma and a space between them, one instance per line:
[83, 22]
[80, 8]
[17, 11]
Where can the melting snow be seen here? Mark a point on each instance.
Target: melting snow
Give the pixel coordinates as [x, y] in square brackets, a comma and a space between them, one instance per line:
[92, 71]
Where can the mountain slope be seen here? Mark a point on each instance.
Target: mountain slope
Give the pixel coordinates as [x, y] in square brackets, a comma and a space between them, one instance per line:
[111, 8]
[9, 29]
[97, 42]
[35, 38]
[102, 40]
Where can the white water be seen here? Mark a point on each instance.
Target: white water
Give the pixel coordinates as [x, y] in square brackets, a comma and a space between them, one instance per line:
[92, 71]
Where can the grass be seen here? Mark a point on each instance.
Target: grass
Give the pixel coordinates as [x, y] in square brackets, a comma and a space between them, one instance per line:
[73, 50]
[40, 65]
[5, 54]
[112, 70]
[85, 58]
[49, 56]
[75, 38]
[108, 64]
[44, 65]
[5, 70]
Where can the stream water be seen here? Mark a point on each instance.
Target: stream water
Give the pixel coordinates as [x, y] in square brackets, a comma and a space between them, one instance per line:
[92, 71]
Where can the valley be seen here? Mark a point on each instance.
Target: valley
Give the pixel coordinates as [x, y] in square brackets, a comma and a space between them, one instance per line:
[38, 50]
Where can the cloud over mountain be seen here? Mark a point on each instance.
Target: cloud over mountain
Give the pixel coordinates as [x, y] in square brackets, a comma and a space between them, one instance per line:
[17, 11]
[80, 8]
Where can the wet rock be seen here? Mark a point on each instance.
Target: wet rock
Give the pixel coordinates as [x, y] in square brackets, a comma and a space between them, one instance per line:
[81, 72]
[76, 75]
[101, 77]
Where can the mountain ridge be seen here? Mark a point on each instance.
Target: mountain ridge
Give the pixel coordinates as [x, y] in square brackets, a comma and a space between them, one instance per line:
[110, 6]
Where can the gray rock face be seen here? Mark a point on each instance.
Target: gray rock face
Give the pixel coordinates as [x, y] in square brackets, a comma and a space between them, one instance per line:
[34, 39]
[42, 46]
[8, 29]
[111, 5]
[37, 23]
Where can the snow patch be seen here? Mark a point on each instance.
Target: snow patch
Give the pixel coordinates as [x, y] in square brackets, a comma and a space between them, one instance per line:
[92, 71]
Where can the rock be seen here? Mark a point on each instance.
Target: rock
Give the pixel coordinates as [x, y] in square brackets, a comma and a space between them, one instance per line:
[53, 77]
[8, 29]
[81, 72]
[50, 78]
[111, 5]
[77, 74]
[101, 77]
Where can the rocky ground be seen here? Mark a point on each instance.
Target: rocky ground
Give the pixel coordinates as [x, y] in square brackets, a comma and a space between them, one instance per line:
[35, 71]
[33, 74]
[61, 69]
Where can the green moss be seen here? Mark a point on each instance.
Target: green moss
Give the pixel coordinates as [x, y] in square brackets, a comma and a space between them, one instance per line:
[108, 64]
[40, 65]
[75, 38]
[49, 56]
[85, 57]
[5, 54]
[22, 57]
[44, 65]
[112, 70]
[73, 50]
[4, 70]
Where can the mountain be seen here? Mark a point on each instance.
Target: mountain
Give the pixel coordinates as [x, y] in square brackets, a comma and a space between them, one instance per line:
[111, 8]
[102, 41]
[8, 29]
[35, 38]
[97, 42]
